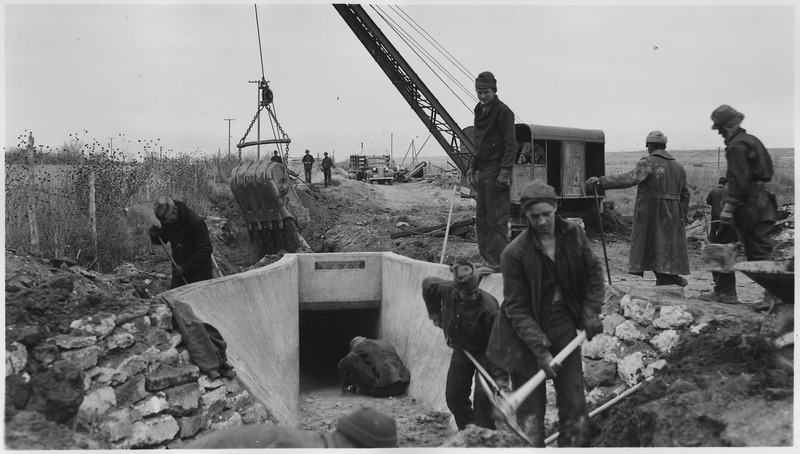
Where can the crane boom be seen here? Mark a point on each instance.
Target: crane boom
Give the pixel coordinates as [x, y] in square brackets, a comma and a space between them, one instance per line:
[438, 121]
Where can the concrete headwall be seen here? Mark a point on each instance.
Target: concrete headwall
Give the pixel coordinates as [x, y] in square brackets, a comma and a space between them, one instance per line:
[256, 313]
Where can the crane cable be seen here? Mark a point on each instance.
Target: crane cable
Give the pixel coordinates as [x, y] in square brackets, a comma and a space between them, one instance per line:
[400, 31]
[267, 102]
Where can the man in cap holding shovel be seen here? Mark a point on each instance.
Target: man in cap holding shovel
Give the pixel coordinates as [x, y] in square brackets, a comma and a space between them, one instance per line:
[489, 172]
[552, 286]
[189, 240]
[658, 238]
[748, 205]
[466, 315]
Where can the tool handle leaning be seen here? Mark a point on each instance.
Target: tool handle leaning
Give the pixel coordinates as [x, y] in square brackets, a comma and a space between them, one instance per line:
[516, 398]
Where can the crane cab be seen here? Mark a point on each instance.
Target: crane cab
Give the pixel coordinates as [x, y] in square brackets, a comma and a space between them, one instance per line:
[561, 156]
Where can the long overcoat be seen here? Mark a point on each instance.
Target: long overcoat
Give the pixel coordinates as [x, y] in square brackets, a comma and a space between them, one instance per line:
[658, 239]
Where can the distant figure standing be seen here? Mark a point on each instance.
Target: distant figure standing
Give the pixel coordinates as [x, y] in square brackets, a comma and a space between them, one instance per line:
[276, 157]
[658, 237]
[308, 165]
[188, 237]
[374, 368]
[715, 198]
[748, 205]
[327, 163]
[489, 171]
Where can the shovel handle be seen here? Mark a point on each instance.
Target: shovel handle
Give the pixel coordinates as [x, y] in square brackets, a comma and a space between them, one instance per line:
[515, 399]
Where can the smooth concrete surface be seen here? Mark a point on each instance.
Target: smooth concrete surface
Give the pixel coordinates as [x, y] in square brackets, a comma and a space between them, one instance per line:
[257, 312]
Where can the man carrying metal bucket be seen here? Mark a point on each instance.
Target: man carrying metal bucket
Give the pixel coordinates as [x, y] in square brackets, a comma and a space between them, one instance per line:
[552, 286]
[748, 205]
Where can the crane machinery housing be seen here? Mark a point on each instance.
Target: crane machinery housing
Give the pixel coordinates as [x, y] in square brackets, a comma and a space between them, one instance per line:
[562, 156]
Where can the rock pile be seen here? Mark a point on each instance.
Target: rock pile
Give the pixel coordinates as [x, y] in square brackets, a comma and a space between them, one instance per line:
[125, 378]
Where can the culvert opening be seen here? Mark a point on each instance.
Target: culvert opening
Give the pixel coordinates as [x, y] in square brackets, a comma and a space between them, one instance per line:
[325, 339]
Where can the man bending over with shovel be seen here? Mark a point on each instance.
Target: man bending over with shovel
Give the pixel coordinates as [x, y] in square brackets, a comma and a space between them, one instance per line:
[189, 240]
[466, 315]
[552, 286]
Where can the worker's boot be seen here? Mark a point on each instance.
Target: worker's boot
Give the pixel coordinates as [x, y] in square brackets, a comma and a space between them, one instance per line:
[728, 297]
[724, 289]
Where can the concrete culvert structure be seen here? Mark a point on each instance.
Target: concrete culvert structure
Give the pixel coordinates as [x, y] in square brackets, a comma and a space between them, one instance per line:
[294, 320]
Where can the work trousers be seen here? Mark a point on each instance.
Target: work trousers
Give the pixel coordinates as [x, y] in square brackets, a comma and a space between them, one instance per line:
[203, 341]
[491, 217]
[326, 173]
[308, 168]
[753, 220]
[573, 418]
[460, 377]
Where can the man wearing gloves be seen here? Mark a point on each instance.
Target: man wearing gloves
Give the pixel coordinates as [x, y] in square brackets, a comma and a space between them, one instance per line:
[466, 315]
[658, 237]
[552, 286]
[189, 240]
[489, 172]
[748, 205]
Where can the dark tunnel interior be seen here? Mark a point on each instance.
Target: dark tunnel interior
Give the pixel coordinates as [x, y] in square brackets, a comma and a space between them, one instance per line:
[325, 339]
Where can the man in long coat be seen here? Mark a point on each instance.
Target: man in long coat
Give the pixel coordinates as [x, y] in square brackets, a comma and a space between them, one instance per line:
[658, 239]
[374, 368]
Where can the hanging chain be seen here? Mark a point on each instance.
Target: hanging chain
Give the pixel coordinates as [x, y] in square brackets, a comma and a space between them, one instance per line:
[258, 112]
[280, 128]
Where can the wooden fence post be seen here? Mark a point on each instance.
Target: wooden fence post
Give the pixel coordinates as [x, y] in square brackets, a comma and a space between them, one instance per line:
[35, 248]
[93, 214]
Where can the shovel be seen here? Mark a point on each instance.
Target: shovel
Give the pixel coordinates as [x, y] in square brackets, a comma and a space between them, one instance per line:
[507, 407]
[171, 259]
[496, 395]
[602, 235]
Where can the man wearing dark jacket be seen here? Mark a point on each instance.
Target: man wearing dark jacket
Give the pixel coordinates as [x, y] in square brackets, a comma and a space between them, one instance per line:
[489, 172]
[658, 237]
[374, 368]
[327, 163]
[466, 315]
[714, 199]
[189, 240]
[748, 205]
[308, 165]
[552, 286]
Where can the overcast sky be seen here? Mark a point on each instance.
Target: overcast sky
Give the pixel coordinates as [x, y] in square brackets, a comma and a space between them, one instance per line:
[169, 75]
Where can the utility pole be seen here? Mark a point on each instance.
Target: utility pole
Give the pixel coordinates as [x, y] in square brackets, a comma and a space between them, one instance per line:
[229, 120]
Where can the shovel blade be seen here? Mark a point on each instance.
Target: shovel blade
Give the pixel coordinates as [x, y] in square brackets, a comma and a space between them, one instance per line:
[503, 410]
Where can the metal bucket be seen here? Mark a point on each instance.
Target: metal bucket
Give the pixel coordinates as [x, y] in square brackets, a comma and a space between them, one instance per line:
[719, 257]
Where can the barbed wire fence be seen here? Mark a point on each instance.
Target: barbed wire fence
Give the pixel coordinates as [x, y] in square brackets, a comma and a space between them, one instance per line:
[57, 199]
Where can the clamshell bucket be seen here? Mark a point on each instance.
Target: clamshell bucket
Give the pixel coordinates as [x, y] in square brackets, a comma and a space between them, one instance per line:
[262, 190]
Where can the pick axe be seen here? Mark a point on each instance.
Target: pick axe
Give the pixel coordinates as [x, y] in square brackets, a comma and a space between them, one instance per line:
[170, 258]
[506, 405]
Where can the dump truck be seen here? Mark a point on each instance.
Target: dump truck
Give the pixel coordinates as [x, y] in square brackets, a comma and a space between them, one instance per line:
[371, 169]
